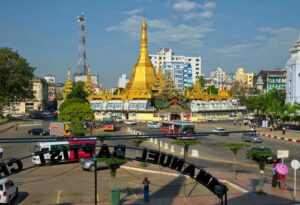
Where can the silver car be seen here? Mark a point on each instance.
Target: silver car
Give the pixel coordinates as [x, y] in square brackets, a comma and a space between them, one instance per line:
[251, 137]
[89, 165]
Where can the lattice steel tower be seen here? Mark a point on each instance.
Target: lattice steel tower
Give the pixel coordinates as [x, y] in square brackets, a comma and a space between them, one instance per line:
[82, 68]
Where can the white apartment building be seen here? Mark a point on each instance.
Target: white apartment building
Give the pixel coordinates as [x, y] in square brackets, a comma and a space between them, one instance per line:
[219, 77]
[49, 78]
[166, 56]
[293, 75]
[123, 80]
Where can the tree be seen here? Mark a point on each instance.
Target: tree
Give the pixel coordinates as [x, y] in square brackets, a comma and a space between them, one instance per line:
[78, 91]
[260, 156]
[211, 90]
[137, 142]
[234, 147]
[185, 144]
[15, 78]
[77, 111]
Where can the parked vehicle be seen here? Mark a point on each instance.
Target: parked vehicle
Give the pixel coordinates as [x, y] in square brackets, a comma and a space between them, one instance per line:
[251, 137]
[119, 119]
[220, 131]
[130, 122]
[61, 129]
[8, 191]
[270, 159]
[89, 165]
[38, 131]
[154, 125]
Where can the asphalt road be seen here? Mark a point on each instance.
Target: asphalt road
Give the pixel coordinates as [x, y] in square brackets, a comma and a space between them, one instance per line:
[57, 182]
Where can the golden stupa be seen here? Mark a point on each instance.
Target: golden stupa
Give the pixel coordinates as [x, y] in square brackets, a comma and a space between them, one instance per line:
[68, 85]
[89, 88]
[159, 79]
[143, 75]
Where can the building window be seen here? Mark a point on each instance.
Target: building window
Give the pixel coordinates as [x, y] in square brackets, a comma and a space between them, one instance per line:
[197, 64]
[197, 60]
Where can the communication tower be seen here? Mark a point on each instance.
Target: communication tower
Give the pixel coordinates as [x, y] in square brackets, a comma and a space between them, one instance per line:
[82, 68]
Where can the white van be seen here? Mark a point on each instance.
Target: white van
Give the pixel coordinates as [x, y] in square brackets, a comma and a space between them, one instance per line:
[45, 147]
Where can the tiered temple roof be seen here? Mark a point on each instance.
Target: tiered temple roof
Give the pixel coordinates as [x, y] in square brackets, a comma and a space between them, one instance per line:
[88, 83]
[68, 85]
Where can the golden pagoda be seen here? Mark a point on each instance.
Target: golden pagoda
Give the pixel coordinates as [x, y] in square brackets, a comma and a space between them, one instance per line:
[68, 85]
[196, 93]
[223, 94]
[143, 74]
[159, 79]
[89, 88]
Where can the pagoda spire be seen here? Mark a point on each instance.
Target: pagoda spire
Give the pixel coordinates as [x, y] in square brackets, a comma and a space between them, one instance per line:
[68, 85]
[88, 83]
[143, 74]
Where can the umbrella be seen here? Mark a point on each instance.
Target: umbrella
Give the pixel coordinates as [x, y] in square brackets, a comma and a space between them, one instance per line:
[282, 169]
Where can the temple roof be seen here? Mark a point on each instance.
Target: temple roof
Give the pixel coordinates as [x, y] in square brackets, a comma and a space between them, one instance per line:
[143, 74]
[68, 84]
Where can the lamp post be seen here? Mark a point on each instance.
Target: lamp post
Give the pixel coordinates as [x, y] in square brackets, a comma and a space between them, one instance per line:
[95, 174]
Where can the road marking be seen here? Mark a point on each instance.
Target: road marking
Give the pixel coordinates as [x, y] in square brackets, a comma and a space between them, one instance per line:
[58, 196]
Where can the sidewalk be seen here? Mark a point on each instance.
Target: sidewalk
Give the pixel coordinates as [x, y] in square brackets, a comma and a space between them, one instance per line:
[288, 136]
[244, 190]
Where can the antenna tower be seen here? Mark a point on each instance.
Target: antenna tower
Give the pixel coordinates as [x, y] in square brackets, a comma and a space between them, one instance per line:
[82, 61]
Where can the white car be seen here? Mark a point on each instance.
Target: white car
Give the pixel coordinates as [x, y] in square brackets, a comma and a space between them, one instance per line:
[8, 191]
[155, 125]
[220, 131]
[119, 119]
[130, 122]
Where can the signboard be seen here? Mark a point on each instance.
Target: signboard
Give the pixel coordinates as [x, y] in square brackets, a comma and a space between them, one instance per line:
[282, 154]
[295, 164]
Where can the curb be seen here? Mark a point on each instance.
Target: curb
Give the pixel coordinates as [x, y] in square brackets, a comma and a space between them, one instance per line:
[279, 137]
[5, 129]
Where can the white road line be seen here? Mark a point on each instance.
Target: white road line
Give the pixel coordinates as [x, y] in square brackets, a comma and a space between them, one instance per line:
[58, 196]
[241, 189]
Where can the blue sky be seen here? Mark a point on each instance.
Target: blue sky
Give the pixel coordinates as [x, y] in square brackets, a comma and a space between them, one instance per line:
[254, 34]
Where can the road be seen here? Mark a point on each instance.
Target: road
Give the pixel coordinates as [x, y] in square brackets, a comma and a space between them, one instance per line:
[56, 189]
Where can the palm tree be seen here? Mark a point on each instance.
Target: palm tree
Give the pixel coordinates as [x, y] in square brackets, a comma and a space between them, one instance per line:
[290, 111]
[260, 156]
[186, 144]
[234, 147]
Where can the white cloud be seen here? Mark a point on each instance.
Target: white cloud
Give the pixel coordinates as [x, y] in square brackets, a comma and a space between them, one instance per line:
[267, 50]
[185, 6]
[134, 11]
[165, 32]
[192, 10]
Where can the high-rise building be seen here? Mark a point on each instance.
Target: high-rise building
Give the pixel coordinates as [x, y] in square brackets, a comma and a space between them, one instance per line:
[293, 75]
[266, 81]
[49, 78]
[219, 76]
[165, 56]
[245, 78]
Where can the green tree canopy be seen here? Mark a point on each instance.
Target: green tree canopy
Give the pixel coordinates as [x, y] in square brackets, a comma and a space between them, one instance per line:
[211, 90]
[78, 91]
[15, 78]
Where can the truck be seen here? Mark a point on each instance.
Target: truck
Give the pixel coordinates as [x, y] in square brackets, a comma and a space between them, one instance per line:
[61, 129]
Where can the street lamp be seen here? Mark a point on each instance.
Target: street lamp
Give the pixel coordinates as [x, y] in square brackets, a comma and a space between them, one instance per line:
[95, 173]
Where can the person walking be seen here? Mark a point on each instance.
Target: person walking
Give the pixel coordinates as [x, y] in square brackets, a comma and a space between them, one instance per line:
[281, 181]
[146, 184]
[283, 130]
[274, 176]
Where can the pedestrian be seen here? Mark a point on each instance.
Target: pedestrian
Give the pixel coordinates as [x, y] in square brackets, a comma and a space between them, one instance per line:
[146, 184]
[281, 181]
[240, 123]
[1, 152]
[17, 126]
[274, 176]
[234, 122]
[283, 130]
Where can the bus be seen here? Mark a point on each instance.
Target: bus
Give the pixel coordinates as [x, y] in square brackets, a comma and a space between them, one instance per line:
[178, 128]
[75, 149]
[61, 129]
[109, 124]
